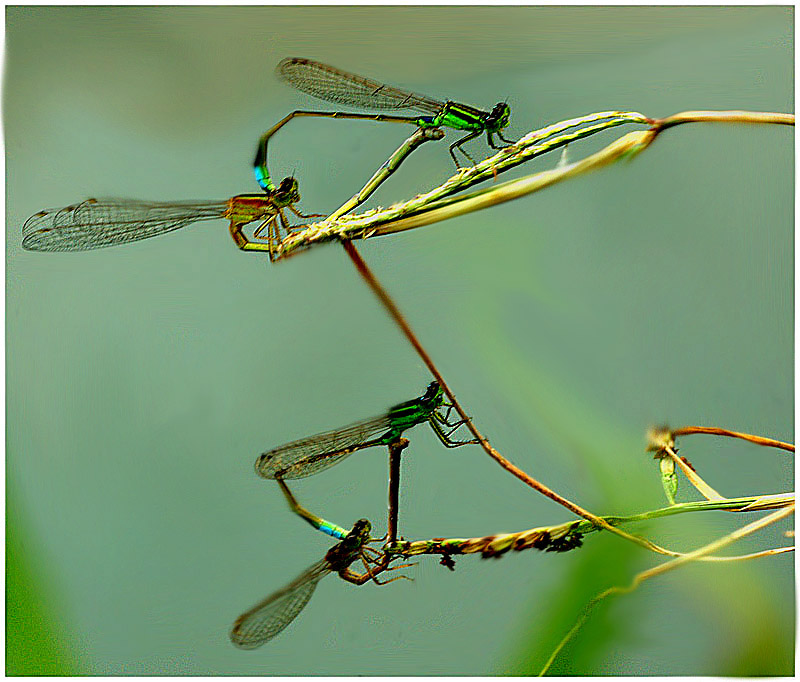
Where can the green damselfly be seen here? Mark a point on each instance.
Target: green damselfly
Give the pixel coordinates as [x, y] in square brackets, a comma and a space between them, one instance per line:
[96, 223]
[269, 617]
[311, 455]
[334, 85]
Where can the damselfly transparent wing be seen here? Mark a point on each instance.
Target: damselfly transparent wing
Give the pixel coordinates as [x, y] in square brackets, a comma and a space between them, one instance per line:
[96, 223]
[335, 85]
[269, 617]
[311, 455]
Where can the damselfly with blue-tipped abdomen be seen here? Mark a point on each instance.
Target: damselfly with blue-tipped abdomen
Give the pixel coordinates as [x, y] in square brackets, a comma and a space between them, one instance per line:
[335, 85]
[97, 223]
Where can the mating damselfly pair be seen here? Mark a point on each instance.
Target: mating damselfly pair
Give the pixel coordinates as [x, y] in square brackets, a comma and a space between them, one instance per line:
[96, 223]
[312, 455]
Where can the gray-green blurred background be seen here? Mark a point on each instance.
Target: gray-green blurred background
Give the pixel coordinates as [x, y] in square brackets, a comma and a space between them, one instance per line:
[142, 381]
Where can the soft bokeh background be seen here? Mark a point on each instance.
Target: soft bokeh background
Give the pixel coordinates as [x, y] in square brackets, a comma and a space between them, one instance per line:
[143, 380]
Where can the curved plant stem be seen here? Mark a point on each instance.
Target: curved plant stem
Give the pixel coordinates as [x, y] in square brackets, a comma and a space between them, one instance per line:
[714, 431]
[514, 470]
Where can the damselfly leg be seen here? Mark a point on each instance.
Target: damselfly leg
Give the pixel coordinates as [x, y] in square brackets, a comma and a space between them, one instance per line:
[457, 145]
[500, 135]
[304, 215]
[438, 420]
[444, 436]
[445, 419]
[382, 566]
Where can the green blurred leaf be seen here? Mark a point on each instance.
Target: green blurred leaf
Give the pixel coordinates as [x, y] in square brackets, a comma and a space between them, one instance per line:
[600, 565]
[33, 642]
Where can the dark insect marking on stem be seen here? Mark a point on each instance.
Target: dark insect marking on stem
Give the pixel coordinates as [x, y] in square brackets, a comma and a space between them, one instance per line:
[447, 561]
[566, 543]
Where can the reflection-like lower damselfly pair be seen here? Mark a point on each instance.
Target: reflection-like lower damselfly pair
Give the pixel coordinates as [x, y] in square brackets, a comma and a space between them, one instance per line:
[96, 223]
[311, 455]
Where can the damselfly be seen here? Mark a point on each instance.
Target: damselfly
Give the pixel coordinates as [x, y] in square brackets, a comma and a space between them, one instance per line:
[269, 617]
[96, 223]
[334, 85]
[311, 455]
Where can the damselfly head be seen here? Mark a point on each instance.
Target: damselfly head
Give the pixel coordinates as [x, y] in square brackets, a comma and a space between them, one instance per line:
[358, 535]
[499, 116]
[361, 529]
[342, 555]
[433, 393]
[288, 192]
[432, 389]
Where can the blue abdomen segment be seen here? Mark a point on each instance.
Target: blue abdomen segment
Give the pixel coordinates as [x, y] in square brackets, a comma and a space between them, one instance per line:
[332, 529]
[427, 122]
[263, 179]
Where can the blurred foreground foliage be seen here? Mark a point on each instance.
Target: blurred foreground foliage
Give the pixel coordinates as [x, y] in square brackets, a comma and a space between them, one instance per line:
[33, 642]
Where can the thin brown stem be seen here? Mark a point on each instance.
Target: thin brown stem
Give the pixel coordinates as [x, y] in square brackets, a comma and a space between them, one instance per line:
[514, 470]
[714, 431]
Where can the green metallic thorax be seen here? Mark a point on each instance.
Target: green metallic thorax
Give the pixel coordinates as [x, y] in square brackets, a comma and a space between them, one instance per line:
[413, 412]
[461, 117]
[464, 117]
